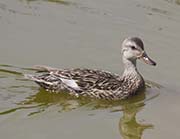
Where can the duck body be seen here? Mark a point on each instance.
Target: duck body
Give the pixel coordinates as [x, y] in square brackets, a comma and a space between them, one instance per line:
[97, 83]
[86, 82]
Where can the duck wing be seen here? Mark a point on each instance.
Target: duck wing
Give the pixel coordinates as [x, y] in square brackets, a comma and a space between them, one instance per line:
[87, 79]
[76, 80]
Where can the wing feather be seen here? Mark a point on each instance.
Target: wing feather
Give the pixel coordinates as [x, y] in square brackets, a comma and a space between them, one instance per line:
[78, 80]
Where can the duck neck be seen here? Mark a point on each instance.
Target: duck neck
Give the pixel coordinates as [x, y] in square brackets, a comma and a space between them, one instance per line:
[130, 67]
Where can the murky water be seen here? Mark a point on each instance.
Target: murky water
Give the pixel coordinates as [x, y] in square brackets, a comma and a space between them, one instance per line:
[78, 33]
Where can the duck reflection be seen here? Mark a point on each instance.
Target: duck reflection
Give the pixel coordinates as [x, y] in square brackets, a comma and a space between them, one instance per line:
[129, 127]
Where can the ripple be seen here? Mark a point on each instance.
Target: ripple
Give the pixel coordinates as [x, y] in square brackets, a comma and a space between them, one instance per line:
[154, 9]
[64, 2]
[10, 71]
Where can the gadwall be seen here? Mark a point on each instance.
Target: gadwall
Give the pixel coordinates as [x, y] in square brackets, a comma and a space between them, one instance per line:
[97, 83]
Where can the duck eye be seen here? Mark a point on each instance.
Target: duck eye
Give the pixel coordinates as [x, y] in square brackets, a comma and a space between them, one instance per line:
[133, 47]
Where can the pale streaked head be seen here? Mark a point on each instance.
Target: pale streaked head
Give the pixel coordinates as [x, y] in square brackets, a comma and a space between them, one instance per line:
[133, 49]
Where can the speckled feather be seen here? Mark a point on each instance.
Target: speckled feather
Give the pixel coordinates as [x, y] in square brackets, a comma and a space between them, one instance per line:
[92, 83]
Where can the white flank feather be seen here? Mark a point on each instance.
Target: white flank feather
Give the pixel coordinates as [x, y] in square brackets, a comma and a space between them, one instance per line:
[71, 83]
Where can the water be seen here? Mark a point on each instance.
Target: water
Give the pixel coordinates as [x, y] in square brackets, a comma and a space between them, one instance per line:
[77, 33]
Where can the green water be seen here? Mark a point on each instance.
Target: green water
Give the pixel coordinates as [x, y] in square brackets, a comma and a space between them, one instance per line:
[78, 33]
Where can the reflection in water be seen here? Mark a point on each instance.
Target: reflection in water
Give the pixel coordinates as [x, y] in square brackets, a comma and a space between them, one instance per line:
[128, 125]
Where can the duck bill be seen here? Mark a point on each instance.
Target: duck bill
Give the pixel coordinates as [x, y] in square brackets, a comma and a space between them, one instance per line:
[147, 59]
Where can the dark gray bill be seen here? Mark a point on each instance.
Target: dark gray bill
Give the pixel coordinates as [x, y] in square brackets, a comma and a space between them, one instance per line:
[147, 59]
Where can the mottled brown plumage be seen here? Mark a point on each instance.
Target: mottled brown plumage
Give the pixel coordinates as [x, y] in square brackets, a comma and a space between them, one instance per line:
[96, 83]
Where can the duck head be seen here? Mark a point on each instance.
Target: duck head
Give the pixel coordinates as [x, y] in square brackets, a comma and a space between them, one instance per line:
[133, 49]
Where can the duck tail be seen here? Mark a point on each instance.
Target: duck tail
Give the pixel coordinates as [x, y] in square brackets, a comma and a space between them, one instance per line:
[41, 82]
[30, 77]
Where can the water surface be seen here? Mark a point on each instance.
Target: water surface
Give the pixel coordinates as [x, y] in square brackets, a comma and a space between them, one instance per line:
[77, 33]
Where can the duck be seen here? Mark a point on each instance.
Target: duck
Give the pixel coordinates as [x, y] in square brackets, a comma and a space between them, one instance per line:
[98, 84]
